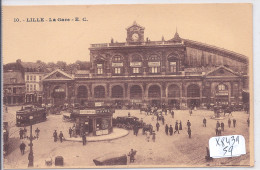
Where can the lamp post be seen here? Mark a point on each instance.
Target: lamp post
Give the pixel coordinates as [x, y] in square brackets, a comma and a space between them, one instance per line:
[30, 156]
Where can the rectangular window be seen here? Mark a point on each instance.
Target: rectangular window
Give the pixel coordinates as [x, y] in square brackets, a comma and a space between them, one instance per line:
[117, 70]
[34, 86]
[136, 70]
[34, 78]
[31, 78]
[28, 78]
[40, 78]
[14, 90]
[100, 71]
[27, 87]
[173, 67]
[31, 87]
[154, 69]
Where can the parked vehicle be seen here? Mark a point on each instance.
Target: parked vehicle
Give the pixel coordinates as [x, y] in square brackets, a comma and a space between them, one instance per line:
[111, 159]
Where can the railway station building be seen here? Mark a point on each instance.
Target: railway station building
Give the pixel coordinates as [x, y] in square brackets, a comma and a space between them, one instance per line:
[177, 72]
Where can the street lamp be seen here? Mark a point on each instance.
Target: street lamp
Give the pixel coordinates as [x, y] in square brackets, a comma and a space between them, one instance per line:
[30, 156]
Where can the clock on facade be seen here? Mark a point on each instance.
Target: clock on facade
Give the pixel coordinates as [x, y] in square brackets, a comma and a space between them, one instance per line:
[135, 37]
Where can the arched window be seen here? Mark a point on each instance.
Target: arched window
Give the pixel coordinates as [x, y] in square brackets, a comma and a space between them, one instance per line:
[173, 91]
[154, 91]
[82, 92]
[135, 92]
[117, 92]
[154, 64]
[99, 92]
[117, 58]
[193, 90]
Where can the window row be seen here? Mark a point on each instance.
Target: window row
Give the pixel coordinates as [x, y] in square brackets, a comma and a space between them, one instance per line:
[32, 78]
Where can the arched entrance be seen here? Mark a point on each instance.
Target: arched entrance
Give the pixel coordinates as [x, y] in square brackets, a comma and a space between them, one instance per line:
[99, 92]
[193, 95]
[174, 96]
[154, 93]
[222, 95]
[59, 95]
[135, 92]
[117, 92]
[82, 94]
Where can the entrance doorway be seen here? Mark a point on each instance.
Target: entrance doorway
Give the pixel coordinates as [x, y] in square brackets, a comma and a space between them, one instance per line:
[88, 126]
[193, 103]
[174, 103]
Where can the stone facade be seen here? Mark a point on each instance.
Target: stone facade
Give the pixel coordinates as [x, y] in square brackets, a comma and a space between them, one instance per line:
[177, 72]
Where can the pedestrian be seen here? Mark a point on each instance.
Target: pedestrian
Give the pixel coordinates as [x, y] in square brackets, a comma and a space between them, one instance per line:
[157, 126]
[22, 148]
[172, 113]
[248, 122]
[132, 154]
[84, 139]
[70, 131]
[204, 122]
[166, 129]
[163, 120]
[180, 126]
[217, 124]
[153, 137]
[222, 126]
[176, 127]
[189, 132]
[129, 114]
[229, 122]
[188, 124]
[61, 136]
[190, 112]
[216, 131]
[37, 132]
[24, 132]
[21, 133]
[6, 109]
[171, 130]
[219, 131]
[137, 129]
[234, 122]
[147, 136]
[55, 136]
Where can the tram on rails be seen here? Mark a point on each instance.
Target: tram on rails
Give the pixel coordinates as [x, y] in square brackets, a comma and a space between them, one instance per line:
[38, 114]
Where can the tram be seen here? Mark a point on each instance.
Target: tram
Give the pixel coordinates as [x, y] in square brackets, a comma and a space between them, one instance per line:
[38, 114]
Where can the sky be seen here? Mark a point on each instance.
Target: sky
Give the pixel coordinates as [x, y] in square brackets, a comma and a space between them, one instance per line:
[227, 26]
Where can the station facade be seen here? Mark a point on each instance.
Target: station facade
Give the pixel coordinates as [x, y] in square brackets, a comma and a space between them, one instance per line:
[177, 72]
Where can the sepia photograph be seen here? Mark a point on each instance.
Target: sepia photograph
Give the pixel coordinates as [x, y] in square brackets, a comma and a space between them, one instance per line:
[127, 86]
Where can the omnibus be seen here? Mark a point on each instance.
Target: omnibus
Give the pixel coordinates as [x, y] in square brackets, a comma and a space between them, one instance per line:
[22, 116]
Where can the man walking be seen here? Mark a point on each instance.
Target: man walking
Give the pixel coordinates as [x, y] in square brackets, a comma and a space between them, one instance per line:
[229, 122]
[180, 127]
[176, 127]
[190, 112]
[70, 131]
[248, 122]
[24, 132]
[171, 130]
[172, 113]
[222, 126]
[37, 132]
[21, 133]
[204, 122]
[234, 122]
[84, 139]
[153, 137]
[166, 129]
[55, 136]
[157, 126]
[22, 148]
[61, 136]
[132, 155]
[163, 120]
[188, 124]
[189, 132]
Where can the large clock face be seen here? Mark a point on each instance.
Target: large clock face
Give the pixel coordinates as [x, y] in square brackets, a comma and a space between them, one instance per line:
[135, 36]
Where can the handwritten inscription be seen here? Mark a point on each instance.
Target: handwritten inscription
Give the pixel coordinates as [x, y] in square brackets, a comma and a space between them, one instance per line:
[227, 146]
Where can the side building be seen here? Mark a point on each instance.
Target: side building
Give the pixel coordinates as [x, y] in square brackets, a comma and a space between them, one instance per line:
[178, 72]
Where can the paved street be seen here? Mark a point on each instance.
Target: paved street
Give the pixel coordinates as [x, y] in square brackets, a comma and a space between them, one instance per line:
[176, 150]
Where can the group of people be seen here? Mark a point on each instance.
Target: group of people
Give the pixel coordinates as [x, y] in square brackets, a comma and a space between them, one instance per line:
[23, 135]
[55, 136]
[169, 130]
